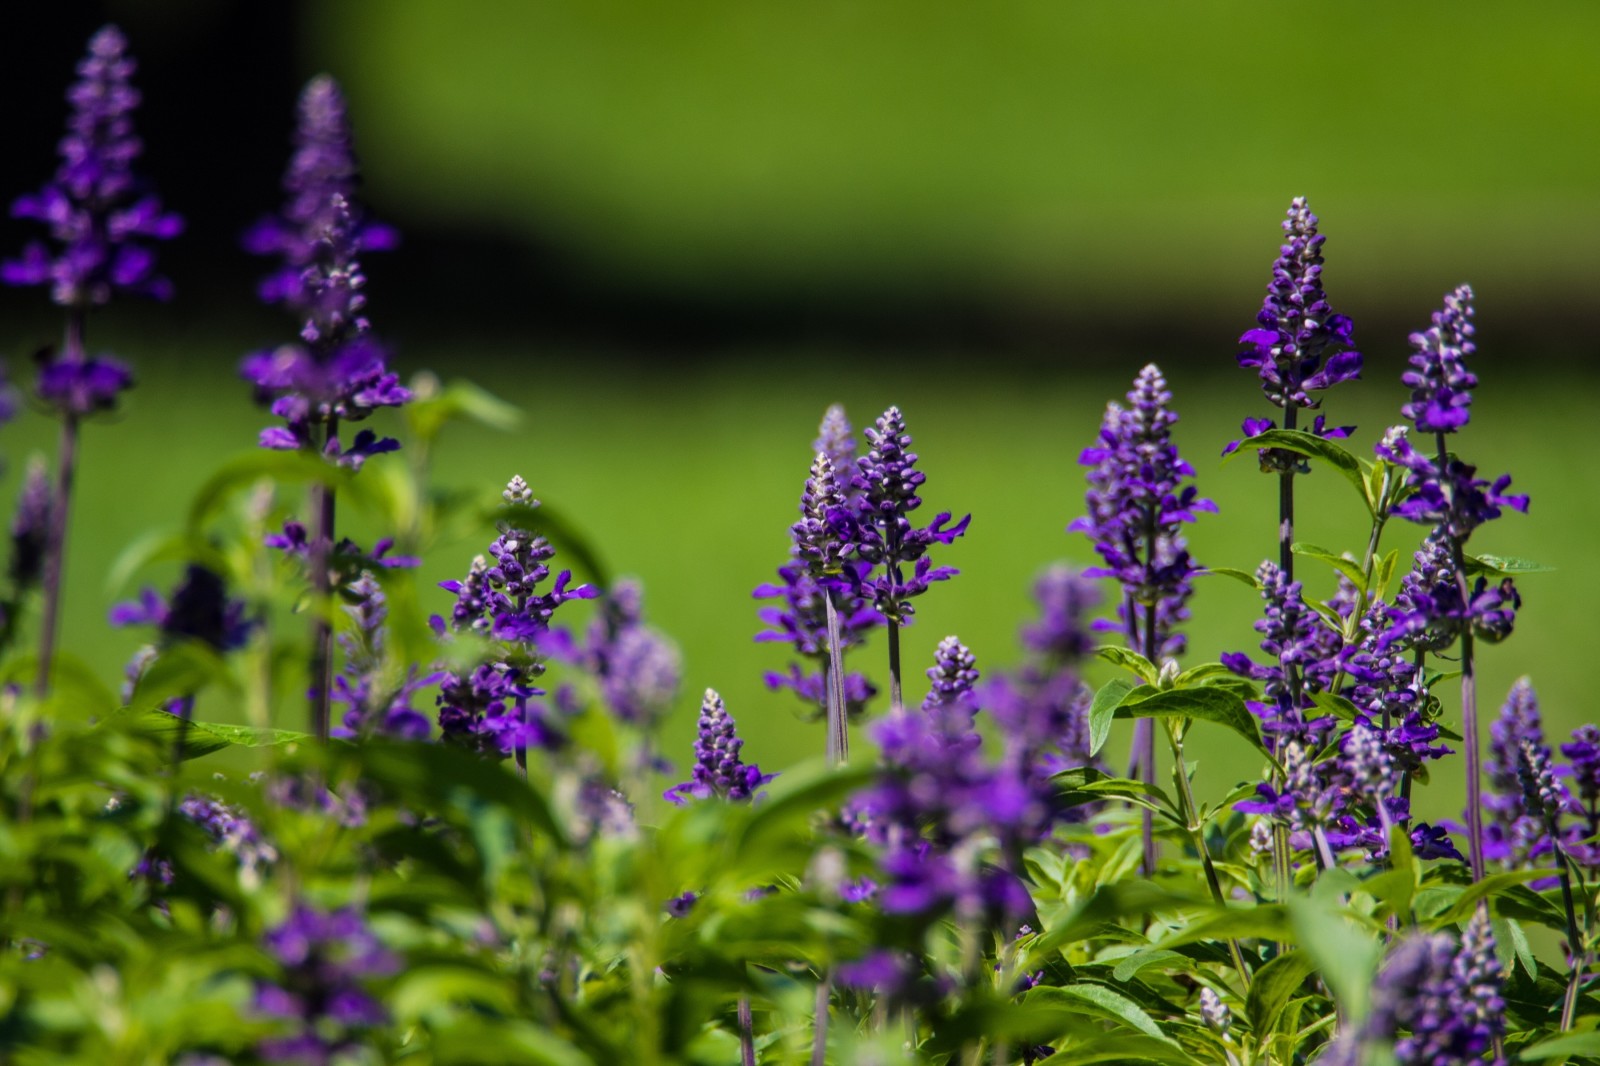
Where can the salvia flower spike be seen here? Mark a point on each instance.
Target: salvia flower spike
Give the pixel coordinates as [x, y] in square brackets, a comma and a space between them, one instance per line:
[887, 484]
[719, 770]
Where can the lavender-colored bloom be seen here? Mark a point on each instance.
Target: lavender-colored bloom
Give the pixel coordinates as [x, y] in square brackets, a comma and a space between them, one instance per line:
[1515, 835]
[1450, 496]
[1441, 385]
[1367, 767]
[100, 214]
[836, 440]
[81, 387]
[680, 906]
[372, 705]
[488, 708]
[1297, 638]
[338, 373]
[198, 610]
[718, 769]
[345, 805]
[1138, 502]
[886, 484]
[30, 527]
[326, 959]
[1584, 753]
[1436, 1003]
[322, 168]
[1542, 797]
[1388, 686]
[230, 829]
[635, 665]
[1300, 346]
[1214, 1012]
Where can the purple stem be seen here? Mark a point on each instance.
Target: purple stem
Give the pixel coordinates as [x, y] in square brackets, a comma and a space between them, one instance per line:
[747, 1039]
[1469, 704]
[56, 547]
[322, 501]
[833, 684]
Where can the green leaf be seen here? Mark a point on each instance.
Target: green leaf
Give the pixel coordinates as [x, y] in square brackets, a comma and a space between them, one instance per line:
[182, 669]
[1131, 661]
[793, 800]
[244, 471]
[1228, 571]
[1384, 574]
[434, 407]
[1503, 566]
[1337, 706]
[1350, 568]
[1102, 1001]
[1564, 1046]
[1109, 903]
[1205, 703]
[1265, 921]
[158, 547]
[1312, 447]
[1129, 966]
[198, 738]
[1272, 987]
[1345, 953]
[1103, 709]
[1467, 901]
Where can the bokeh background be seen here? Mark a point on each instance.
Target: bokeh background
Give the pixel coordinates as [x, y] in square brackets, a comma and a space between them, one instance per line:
[673, 233]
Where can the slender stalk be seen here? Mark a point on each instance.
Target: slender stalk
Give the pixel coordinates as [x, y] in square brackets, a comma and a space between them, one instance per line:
[819, 1024]
[1191, 821]
[1144, 733]
[747, 1039]
[1576, 947]
[1280, 832]
[833, 683]
[73, 350]
[322, 501]
[897, 706]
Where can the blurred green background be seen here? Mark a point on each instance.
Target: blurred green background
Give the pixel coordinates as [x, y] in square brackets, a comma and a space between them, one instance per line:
[673, 234]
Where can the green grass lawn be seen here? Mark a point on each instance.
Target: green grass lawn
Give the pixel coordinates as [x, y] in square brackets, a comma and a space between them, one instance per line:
[690, 478]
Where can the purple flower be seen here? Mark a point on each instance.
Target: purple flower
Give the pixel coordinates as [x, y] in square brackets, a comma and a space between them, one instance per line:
[882, 535]
[1584, 753]
[198, 610]
[719, 772]
[487, 708]
[1441, 385]
[326, 959]
[1138, 503]
[1451, 496]
[30, 527]
[836, 440]
[337, 372]
[1299, 346]
[680, 906]
[230, 829]
[1437, 1003]
[1298, 639]
[99, 213]
[81, 387]
[322, 167]
[635, 665]
[374, 705]
[1516, 835]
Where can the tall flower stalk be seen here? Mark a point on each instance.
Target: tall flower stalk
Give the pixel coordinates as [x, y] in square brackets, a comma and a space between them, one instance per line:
[1138, 503]
[337, 373]
[1299, 346]
[101, 218]
[886, 484]
[1446, 493]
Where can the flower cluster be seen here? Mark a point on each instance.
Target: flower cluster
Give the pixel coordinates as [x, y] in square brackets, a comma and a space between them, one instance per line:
[488, 707]
[337, 372]
[881, 533]
[230, 829]
[817, 568]
[99, 213]
[1138, 502]
[1435, 1001]
[199, 610]
[1441, 385]
[1299, 345]
[636, 666]
[373, 705]
[326, 959]
[719, 771]
[1304, 650]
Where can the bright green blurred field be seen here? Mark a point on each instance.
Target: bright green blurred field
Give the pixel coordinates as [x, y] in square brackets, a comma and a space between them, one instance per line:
[690, 479]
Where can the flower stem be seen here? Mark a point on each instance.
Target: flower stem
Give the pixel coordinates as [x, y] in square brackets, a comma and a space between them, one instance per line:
[747, 1039]
[322, 501]
[897, 706]
[56, 546]
[819, 1025]
[833, 684]
[1191, 821]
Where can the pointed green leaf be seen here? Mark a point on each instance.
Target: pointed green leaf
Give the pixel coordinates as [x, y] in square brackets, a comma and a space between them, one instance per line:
[1128, 966]
[1346, 953]
[1206, 703]
[1228, 571]
[1103, 709]
[1504, 566]
[1564, 1046]
[1312, 447]
[1384, 574]
[1350, 568]
[1131, 661]
[1101, 1001]
[1272, 987]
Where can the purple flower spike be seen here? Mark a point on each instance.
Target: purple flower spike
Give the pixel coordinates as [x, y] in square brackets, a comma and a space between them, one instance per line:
[636, 666]
[30, 527]
[487, 708]
[374, 705]
[1294, 635]
[836, 439]
[1516, 834]
[100, 215]
[1300, 346]
[1441, 385]
[1138, 502]
[327, 958]
[886, 483]
[719, 772]
[323, 167]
